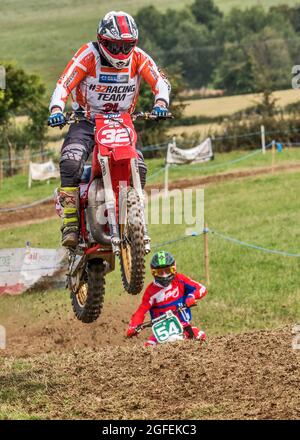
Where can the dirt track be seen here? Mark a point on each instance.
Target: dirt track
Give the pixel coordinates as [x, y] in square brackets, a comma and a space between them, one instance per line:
[253, 375]
[53, 359]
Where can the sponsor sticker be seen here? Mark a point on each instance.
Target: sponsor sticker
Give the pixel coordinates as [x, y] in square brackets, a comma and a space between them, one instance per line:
[111, 79]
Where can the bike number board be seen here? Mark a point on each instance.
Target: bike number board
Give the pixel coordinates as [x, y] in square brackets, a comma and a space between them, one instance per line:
[116, 132]
[168, 330]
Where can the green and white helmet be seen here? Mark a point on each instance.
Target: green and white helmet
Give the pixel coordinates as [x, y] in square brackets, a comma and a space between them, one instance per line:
[163, 267]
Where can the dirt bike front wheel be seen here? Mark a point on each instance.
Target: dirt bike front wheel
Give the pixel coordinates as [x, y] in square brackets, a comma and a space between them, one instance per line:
[87, 299]
[132, 257]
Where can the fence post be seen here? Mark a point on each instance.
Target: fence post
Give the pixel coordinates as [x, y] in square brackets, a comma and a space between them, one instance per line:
[263, 139]
[167, 165]
[166, 180]
[273, 156]
[1, 172]
[26, 160]
[206, 253]
[29, 176]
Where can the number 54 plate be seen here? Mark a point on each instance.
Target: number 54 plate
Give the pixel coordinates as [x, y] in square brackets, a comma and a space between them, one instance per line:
[168, 329]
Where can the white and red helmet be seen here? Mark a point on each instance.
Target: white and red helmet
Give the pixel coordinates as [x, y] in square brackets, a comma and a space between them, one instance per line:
[117, 38]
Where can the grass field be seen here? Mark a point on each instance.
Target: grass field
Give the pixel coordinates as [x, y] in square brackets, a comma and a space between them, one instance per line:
[43, 35]
[227, 105]
[14, 190]
[249, 289]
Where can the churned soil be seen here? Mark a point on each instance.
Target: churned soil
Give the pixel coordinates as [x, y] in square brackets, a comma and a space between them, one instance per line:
[254, 375]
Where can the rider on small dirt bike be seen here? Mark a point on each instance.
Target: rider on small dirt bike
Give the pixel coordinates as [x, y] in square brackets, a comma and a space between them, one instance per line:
[102, 77]
[168, 291]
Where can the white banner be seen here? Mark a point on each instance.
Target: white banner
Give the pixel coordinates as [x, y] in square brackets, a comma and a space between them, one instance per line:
[201, 153]
[43, 171]
[21, 269]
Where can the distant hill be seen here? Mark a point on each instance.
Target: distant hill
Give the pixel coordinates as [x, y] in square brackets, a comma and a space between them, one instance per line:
[43, 35]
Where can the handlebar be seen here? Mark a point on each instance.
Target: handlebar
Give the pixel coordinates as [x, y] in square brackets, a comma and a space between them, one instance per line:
[149, 116]
[75, 117]
[146, 324]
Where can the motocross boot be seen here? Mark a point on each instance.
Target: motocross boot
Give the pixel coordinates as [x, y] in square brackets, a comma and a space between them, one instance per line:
[69, 200]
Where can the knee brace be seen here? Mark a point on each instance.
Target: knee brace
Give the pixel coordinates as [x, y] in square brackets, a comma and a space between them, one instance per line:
[71, 164]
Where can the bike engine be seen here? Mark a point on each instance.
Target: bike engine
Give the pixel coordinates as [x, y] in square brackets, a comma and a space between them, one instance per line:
[96, 213]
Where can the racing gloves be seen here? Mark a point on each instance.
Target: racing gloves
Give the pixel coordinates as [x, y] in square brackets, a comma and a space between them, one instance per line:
[131, 332]
[56, 119]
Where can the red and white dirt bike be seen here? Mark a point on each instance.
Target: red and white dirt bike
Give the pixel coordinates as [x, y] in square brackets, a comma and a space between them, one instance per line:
[112, 216]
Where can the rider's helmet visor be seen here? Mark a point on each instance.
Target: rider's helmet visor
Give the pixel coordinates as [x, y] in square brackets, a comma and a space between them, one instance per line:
[164, 271]
[117, 47]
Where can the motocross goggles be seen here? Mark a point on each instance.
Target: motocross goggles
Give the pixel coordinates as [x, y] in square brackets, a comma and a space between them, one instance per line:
[163, 271]
[116, 47]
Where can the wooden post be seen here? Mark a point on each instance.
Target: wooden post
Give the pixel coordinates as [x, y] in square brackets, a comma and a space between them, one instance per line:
[1, 172]
[29, 176]
[10, 156]
[206, 253]
[273, 156]
[26, 160]
[263, 139]
[167, 166]
[166, 180]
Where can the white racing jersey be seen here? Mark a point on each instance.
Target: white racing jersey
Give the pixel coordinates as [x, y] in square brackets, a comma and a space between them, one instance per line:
[95, 86]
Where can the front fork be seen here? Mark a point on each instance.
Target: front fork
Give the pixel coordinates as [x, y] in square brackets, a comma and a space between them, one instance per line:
[110, 203]
[138, 187]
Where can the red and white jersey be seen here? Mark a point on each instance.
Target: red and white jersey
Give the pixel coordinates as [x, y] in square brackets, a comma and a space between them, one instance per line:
[96, 87]
[158, 300]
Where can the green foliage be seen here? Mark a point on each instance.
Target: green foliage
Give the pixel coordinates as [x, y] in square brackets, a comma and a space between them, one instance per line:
[206, 12]
[281, 126]
[258, 47]
[208, 48]
[24, 95]
[46, 39]
[154, 132]
[178, 41]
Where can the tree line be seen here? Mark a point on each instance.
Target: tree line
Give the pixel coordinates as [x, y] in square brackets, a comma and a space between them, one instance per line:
[249, 50]
[238, 52]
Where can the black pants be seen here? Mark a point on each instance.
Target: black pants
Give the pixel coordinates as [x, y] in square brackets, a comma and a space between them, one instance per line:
[75, 151]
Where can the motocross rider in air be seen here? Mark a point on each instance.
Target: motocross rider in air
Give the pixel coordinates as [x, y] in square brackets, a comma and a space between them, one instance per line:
[103, 77]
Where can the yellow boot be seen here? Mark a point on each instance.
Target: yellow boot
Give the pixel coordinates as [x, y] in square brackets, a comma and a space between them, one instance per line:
[69, 200]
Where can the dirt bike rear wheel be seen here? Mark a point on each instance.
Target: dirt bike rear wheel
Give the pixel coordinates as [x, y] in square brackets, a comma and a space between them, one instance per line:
[132, 257]
[87, 301]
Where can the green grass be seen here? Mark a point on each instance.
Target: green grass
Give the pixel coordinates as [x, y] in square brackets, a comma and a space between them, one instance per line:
[43, 35]
[249, 289]
[14, 190]
[222, 163]
[15, 389]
